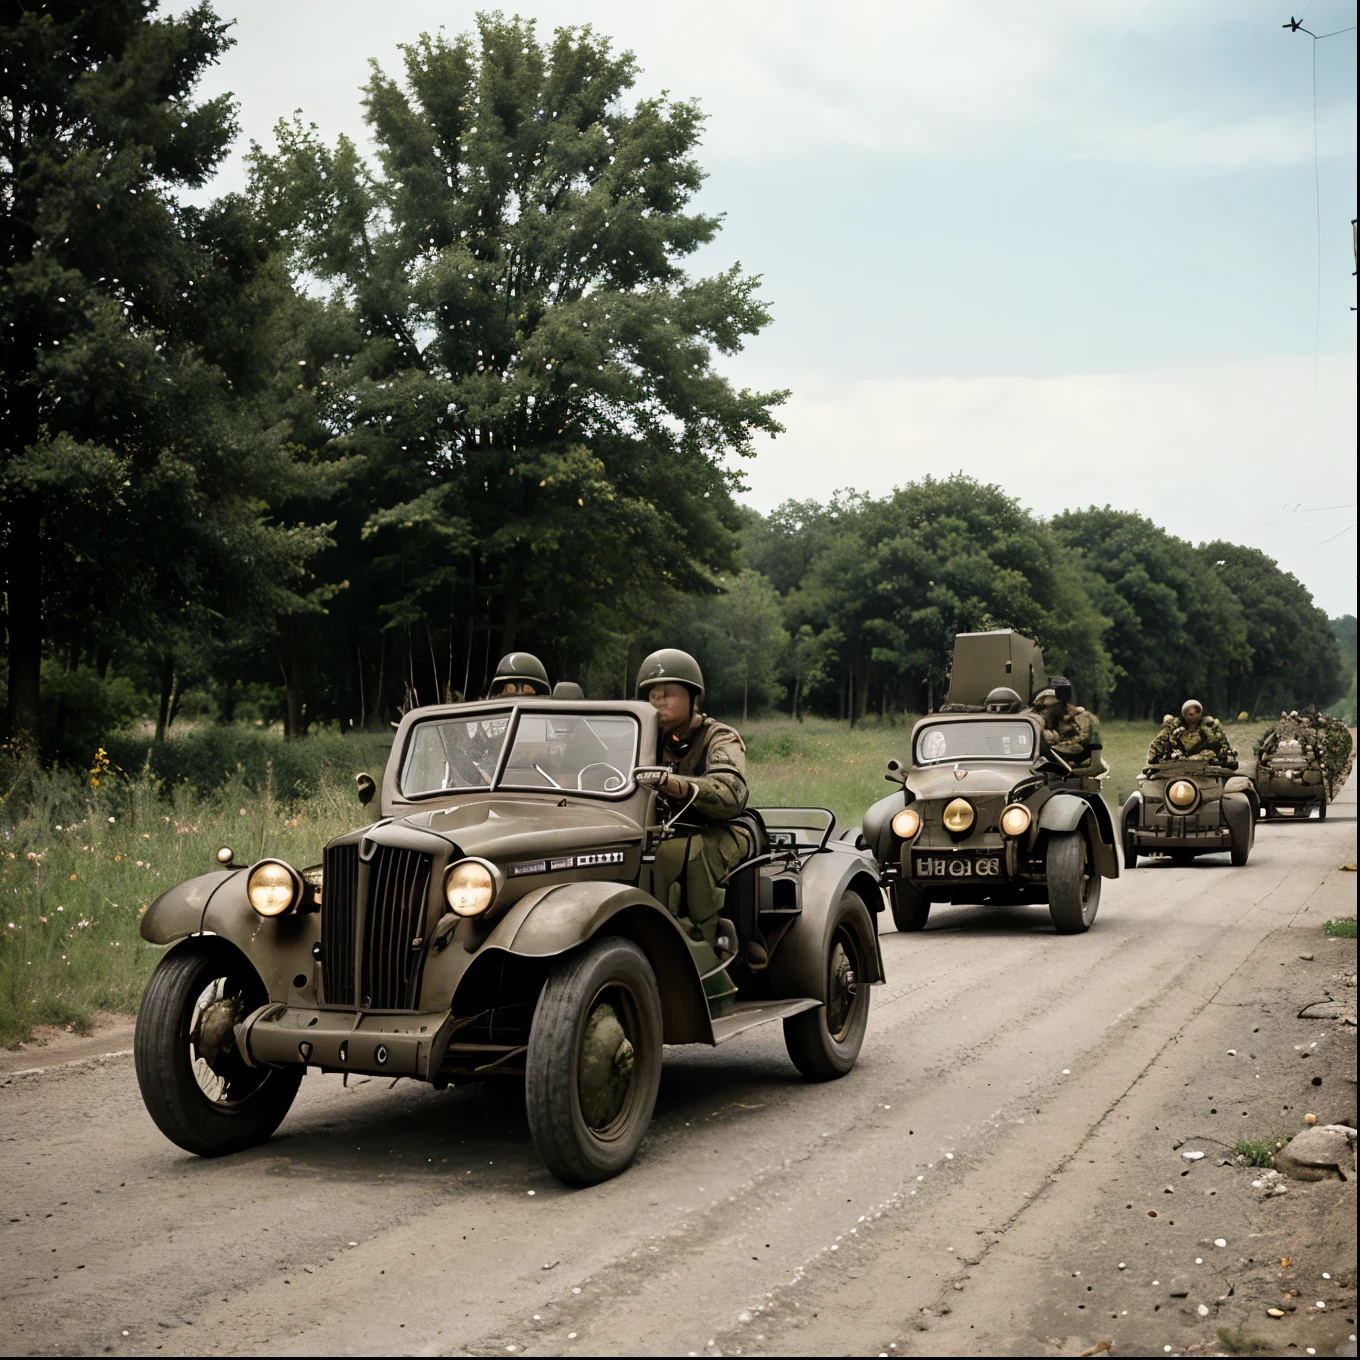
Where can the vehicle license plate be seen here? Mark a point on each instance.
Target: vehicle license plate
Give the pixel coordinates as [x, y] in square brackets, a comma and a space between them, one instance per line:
[956, 865]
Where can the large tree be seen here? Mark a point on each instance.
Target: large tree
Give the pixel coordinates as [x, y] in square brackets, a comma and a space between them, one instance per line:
[132, 463]
[1176, 631]
[1293, 658]
[543, 437]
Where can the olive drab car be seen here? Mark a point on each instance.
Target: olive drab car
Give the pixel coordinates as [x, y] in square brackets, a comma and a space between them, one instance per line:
[498, 923]
[985, 814]
[1183, 808]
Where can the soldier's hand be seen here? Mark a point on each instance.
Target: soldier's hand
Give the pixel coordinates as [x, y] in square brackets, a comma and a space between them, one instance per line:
[663, 782]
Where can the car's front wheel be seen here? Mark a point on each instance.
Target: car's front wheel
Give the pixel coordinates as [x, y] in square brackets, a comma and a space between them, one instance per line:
[1073, 883]
[910, 906]
[824, 1042]
[594, 1061]
[202, 1094]
[1130, 816]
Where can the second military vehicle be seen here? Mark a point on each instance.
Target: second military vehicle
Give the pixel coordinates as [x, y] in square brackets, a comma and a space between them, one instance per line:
[1184, 808]
[985, 815]
[500, 922]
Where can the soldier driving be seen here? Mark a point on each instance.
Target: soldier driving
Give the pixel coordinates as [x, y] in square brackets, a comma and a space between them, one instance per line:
[1194, 737]
[705, 776]
[1069, 731]
[518, 673]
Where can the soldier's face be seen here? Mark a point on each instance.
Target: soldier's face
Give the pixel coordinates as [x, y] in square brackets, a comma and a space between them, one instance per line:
[1192, 715]
[672, 703]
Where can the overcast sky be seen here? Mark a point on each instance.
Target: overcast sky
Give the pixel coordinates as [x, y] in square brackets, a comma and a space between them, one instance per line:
[1070, 248]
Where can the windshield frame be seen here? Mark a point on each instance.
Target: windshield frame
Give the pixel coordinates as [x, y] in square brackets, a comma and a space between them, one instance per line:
[545, 708]
[920, 731]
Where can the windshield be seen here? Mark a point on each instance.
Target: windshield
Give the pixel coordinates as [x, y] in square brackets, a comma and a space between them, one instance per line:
[582, 753]
[961, 740]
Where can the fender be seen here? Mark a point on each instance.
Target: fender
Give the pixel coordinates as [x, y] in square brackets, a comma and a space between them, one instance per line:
[1239, 814]
[557, 919]
[877, 827]
[1067, 812]
[798, 967]
[279, 948]
[179, 911]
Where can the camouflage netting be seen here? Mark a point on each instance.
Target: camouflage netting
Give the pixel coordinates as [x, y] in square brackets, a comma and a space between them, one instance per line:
[1317, 748]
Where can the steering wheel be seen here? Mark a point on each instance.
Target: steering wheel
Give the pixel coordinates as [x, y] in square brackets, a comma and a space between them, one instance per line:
[610, 785]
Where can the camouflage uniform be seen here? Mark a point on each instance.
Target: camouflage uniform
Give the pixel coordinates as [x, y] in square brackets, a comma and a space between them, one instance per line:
[1074, 734]
[706, 845]
[1207, 742]
[1159, 746]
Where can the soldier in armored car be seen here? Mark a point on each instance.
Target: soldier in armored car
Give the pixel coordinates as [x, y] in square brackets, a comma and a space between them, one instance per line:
[705, 776]
[519, 673]
[1069, 730]
[1195, 737]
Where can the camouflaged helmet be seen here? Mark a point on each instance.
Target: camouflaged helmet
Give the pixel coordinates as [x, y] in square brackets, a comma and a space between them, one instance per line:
[671, 664]
[521, 666]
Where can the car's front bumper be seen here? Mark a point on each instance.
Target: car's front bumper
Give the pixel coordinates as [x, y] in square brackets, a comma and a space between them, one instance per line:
[404, 1045]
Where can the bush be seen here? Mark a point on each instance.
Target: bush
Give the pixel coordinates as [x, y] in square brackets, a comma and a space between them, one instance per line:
[78, 709]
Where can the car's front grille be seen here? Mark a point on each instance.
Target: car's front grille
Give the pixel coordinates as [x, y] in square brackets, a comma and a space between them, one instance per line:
[398, 886]
[339, 903]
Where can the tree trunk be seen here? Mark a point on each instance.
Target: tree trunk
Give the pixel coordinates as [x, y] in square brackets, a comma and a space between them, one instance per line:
[167, 692]
[797, 689]
[363, 712]
[174, 701]
[745, 695]
[382, 664]
[24, 588]
[293, 725]
[850, 695]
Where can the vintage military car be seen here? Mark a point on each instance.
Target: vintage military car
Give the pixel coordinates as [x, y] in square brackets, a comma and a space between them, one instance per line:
[985, 815]
[1184, 808]
[500, 922]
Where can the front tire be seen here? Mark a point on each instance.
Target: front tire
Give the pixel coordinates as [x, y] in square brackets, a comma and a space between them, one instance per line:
[910, 906]
[206, 1098]
[1073, 883]
[824, 1042]
[594, 1061]
[1126, 835]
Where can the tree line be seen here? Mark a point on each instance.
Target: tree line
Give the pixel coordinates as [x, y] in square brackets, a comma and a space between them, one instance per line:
[328, 447]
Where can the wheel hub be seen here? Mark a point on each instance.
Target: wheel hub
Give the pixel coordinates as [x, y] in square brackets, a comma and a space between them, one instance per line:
[606, 1067]
[840, 999]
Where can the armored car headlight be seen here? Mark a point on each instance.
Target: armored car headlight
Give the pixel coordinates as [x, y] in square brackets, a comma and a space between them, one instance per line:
[1182, 793]
[958, 816]
[273, 887]
[471, 887]
[906, 823]
[1015, 820]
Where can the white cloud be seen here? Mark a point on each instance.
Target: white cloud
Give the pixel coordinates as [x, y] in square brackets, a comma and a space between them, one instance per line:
[1224, 450]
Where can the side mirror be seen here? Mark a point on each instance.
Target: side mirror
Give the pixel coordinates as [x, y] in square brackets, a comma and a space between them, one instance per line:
[366, 786]
[897, 775]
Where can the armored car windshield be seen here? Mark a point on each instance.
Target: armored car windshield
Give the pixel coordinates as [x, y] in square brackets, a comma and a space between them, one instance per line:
[580, 753]
[989, 740]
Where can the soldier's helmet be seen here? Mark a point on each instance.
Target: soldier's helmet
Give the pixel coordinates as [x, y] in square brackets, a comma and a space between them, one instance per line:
[568, 689]
[1003, 700]
[673, 665]
[523, 667]
[1189, 704]
[1061, 687]
[1044, 697]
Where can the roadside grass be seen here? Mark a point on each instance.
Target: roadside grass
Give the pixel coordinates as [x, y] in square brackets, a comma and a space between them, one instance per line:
[80, 864]
[1236, 1341]
[1343, 929]
[1259, 1151]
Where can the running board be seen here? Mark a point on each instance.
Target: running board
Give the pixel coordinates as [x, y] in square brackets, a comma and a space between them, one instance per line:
[748, 1014]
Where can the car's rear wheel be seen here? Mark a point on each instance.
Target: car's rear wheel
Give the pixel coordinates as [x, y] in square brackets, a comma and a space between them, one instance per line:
[1240, 845]
[910, 906]
[594, 1061]
[196, 1086]
[1073, 883]
[824, 1042]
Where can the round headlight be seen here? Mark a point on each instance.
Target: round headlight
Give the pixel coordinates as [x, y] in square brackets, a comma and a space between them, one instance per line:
[470, 888]
[906, 823]
[1182, 793]
[958, 816]
[1015, 820]
[272, 887]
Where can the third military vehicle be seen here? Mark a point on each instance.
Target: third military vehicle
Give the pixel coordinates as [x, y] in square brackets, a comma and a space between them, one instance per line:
[500, 922]
[985, 815]
[1184, 808]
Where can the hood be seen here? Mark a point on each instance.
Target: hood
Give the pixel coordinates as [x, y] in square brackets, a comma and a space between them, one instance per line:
[979, 777]
[520, 828]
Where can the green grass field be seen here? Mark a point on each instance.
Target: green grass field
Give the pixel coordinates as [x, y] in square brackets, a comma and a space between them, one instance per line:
[79, 864]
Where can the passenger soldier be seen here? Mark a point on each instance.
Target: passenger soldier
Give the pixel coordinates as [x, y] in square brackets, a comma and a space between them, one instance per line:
[518, 673]
[705, 776]
[1195, 737]
[1069, 731]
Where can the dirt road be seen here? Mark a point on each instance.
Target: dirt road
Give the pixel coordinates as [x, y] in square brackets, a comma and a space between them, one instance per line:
[998, 1176]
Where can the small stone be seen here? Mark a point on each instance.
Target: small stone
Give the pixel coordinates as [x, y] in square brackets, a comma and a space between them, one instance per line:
[1202, 1310]
[1220, 1241]
[1275, 1312]
[1232, 1053]
[1307, 958]
[1310, 1119]
[1193, 1156]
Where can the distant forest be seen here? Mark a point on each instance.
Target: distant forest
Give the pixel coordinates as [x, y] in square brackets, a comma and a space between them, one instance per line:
[320, 451]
